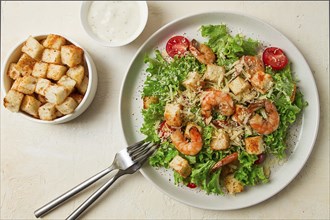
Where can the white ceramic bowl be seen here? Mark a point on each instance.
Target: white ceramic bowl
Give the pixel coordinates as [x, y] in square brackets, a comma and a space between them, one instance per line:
[143, 8]
[6, 82]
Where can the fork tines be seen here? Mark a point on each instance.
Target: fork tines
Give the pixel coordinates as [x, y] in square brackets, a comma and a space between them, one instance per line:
[141, 150]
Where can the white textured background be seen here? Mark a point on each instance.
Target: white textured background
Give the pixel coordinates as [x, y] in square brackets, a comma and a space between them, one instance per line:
[39, 162]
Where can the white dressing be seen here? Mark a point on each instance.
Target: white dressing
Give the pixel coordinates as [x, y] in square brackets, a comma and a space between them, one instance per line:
[114, 21]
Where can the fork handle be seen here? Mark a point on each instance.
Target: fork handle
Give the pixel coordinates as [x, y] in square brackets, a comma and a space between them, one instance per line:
[75, 190]
[88, 202]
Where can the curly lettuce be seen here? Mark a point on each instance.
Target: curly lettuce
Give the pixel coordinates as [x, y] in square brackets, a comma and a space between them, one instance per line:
[228, 48]
[281, 95]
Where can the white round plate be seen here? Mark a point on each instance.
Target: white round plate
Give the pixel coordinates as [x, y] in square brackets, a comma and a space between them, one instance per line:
[301, 143]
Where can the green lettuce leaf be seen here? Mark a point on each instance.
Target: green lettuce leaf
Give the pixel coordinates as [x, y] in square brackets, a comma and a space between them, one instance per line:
[228, 48]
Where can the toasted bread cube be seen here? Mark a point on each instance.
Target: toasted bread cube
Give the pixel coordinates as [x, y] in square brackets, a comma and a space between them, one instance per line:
[71, 55]
[13, 72]
[47, 112]
[78, 97]
[16, 83]
[172, 115]
[214, 73]
[40, 70]
[68, 106]
[148, 100]
[221, 141]
[41, 86]
[25, 64]
[82, 87]
[55, 72]
[41, 98]
[233, 185]
[76, 73]
[58, 113]
[55, 94]
[238, 85]
[54, 41]
[193, 81]
[30, 105]
[242, 114]
[254, 145]
[261, 81]
[181, 166]
[27, 85]
[33, 48]
[13, 100]
[67, 82]
[51, 56]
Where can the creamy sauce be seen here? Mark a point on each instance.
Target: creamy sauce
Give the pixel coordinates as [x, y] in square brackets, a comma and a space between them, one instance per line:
[114, 21]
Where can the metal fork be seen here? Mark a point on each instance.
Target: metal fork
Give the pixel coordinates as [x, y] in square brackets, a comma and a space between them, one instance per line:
[127, 161]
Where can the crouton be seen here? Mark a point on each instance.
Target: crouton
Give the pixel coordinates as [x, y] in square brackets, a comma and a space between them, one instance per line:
[33, 48]
[221, 141]
[76, 96]
[82, 87]
[54, 41]
[254, 145]
[27, 85]
[51, 56]
[214, 73]
[55, 72]
[30, 105]
[47, 112]
[41, 86]
[233, 185]
[71, 55]
[76, 73]
[13, 72]
[172, 115]
[67, 82]
[55, 94]
[68, 106]
[16, 83]
[148, 100]
[58, 114]
[25, 64]
[41, 98]
[13, 100]
[181, 166]
[238, 85]
[261, 81]
[241, 115]
[40, 70]
[193, 81]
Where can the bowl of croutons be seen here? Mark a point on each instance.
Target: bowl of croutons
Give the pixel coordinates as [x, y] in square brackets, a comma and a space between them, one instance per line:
[48, 79]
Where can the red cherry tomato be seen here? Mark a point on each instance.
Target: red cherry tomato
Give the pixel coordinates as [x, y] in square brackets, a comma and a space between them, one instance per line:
[275, 58]
[192, 185]
[177, 45]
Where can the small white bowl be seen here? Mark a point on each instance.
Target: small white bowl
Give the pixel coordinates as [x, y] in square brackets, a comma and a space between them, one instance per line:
[6, 82]
[143, 18]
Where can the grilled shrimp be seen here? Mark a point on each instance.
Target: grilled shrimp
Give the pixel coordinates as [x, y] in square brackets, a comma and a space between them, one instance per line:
[261, 125]
[192, 147]
[202, 52]
[216, 98]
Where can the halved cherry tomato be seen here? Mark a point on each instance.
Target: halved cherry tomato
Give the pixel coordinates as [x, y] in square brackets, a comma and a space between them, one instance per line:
[275, 58]
[192, 185]
[177, 45]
